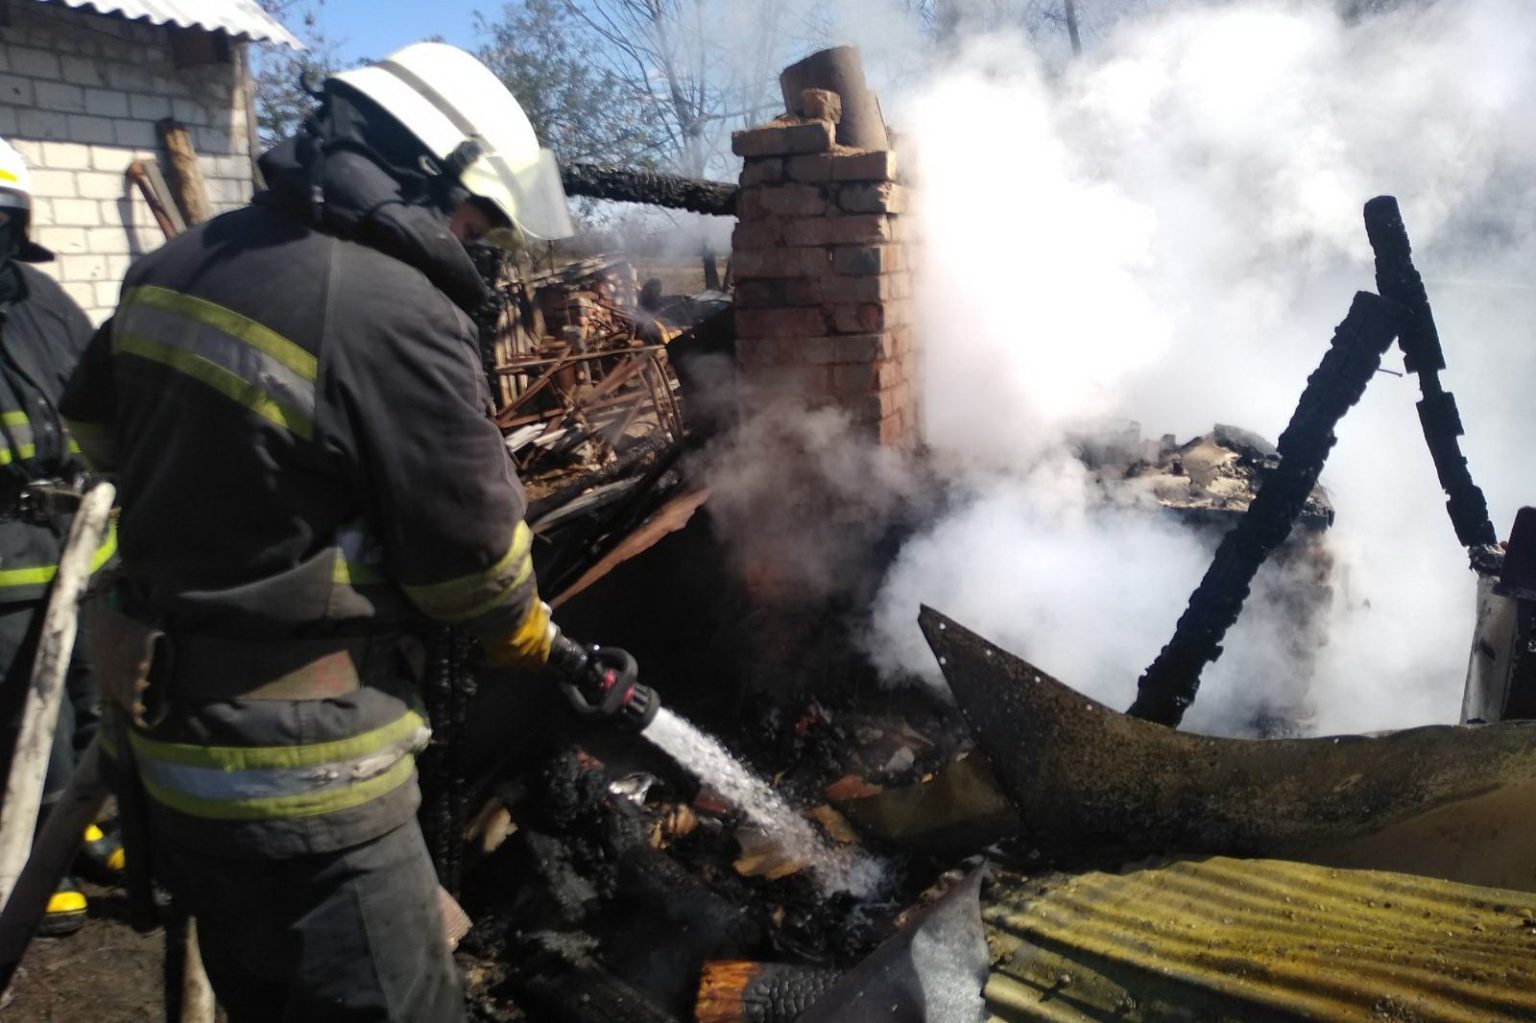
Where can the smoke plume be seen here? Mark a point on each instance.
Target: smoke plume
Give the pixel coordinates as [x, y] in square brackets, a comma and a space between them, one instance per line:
[1167, 230]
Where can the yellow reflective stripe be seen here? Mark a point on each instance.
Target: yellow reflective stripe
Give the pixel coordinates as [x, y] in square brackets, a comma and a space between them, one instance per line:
[41, 574]
[471, 596]
[263, 339]
[6, 175]
[9, 455]
[344, 573]
[306, 804]
[220, 379]
[255, 758]
[14, 419]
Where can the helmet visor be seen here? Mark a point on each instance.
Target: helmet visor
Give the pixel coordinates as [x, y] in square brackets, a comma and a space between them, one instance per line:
[531, 196]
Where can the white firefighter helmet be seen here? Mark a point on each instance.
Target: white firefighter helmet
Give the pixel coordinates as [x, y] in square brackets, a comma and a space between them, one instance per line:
[15, 182]
[465, 117]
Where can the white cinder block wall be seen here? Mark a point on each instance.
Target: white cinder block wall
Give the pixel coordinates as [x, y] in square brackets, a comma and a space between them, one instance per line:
[79, 97]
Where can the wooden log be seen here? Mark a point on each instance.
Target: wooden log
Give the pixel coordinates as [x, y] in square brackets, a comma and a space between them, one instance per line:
[841, 71]
[187, 184]
[736, 991]
[40, 716]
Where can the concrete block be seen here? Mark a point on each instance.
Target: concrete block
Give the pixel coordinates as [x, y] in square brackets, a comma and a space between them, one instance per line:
[7, 122]
[83, 292]
[108, 293]
[52, 183]
[15, 90]
[135, 134]
[117, 266]
[212, 141]
[42, 211]
[101, 185]
[31, 151]
[80, 71]
[113, 159]
[66, 156]
[783, 139]
[149, 108]
[107, 241]
[106, 103]
[130, 78]
[86, 267]
[189, 111]
[878, 165]
[92, 129]
[76, 213]
[34, 63]
[64, 240]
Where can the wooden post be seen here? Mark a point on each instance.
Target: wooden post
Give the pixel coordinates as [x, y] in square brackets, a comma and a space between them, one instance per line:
[55, 645]
[55, 848]
[187, 183]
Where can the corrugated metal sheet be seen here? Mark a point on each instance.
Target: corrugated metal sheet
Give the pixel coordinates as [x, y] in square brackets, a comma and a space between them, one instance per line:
[237, 17]
[1259, 941]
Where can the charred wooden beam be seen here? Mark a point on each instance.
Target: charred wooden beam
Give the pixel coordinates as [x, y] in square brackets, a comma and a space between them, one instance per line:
[1169, 685]
[746, 992]
[1419, 339]
[557, 976]
[713, 197]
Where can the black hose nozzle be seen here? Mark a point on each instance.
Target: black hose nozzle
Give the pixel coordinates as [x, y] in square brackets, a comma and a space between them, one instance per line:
[603, 682]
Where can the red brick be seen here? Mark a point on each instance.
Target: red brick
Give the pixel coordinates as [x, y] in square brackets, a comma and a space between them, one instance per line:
[793, 200]
[872, 197]
[764, 171]
[783, 139]
[765, 233]
[871, 288]
[860, 318]
[845, 348]
[814, 167]
[859, 378]
[780, 323]
[868, 259]
[778, 262]
[820, 104]
[810, 383]
[861, 229]
[879, 165]
[805, 291]
[772, 352]
[760, 294]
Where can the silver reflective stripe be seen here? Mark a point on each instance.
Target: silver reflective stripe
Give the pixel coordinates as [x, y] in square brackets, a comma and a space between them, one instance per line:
[207, 342]
[212, 783]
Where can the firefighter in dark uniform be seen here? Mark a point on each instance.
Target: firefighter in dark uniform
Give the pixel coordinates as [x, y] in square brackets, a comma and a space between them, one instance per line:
[292, 400]
[42, 335]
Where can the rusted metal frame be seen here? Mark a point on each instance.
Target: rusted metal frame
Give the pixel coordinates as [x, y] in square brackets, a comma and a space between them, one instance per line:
[523, 367]
[539, 417]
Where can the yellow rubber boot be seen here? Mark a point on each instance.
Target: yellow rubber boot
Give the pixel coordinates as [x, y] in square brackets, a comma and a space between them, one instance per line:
[101, 856]
[66, 910]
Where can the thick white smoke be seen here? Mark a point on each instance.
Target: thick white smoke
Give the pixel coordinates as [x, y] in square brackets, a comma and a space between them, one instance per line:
[1168, 231]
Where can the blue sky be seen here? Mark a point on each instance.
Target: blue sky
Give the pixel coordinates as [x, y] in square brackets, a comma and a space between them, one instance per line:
[372, 28]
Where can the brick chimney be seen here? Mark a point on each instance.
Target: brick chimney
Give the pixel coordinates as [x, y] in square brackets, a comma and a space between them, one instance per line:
[820, 260]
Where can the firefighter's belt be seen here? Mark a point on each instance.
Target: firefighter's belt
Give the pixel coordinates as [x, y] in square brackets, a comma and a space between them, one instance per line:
[123, 653]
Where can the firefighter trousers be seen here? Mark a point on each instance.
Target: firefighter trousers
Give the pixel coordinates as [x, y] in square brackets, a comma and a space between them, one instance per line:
[353, 936]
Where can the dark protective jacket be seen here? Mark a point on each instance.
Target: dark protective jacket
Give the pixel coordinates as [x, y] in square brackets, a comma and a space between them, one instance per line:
[42, 335]
[298, 419]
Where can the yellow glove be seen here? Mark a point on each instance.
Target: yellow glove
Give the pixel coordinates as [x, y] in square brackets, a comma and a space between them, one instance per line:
[526, 646]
